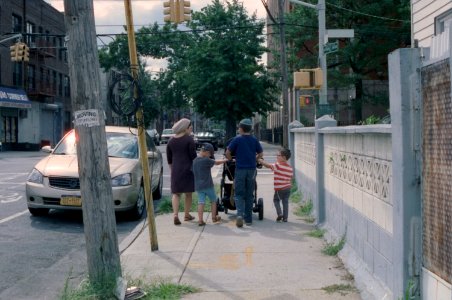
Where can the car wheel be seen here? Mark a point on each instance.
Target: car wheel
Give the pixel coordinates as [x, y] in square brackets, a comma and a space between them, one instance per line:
[157, 194]
[38, 211]
[140, 205]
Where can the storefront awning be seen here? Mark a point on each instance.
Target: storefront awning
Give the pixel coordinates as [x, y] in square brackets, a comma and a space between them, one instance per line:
[14, 98]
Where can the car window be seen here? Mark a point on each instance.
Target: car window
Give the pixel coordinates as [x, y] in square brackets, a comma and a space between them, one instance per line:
[67, 145]
[122, 145]
[167, 131]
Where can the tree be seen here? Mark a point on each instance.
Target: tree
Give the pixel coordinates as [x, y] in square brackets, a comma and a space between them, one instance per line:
[220, 71]
[216, 62]
[365, 55]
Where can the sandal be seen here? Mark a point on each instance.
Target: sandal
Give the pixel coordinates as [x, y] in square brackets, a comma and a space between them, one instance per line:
[189, 218]
[216, 219]
[202, 223]
[176, 220]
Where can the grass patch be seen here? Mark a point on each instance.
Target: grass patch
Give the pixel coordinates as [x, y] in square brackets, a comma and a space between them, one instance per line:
[342, 289]
[87, 290]
[333, 249]
[317, 233]
[295, 197]
[304, 209]
[153, 291]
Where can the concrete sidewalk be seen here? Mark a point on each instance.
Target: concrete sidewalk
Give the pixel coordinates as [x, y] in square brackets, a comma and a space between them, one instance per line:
[267, 260]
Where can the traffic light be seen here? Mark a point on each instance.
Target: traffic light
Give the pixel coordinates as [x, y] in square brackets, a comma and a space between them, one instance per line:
[184, 11]
[305, 100]
[26, 53]
[308, 79]
[176, 11]
[14, 52]
[19, 52]
[169, 12]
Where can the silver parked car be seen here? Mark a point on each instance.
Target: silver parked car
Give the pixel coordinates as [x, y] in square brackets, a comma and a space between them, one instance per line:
[54, 181]
[166, 135]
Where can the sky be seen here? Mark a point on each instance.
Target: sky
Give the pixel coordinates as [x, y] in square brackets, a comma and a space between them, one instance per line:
[110, 15]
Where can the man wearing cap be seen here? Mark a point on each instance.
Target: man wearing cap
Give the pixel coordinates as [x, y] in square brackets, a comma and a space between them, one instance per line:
[246, 149]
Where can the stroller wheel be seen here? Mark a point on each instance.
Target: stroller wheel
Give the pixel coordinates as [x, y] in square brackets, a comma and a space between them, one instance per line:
[260, 206]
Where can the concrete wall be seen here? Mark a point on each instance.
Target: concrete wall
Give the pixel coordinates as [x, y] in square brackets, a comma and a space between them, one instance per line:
[357, 190]
[365, 185]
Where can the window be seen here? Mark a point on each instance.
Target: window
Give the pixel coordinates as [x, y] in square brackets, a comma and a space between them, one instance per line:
[67, 89]
[17, 23]
[30, 39]
[54, 81]
[441, 21]
[17, 74]
[60, 84]
[31, 70]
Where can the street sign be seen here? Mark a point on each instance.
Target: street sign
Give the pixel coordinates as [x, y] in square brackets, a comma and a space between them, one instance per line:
[330, 47]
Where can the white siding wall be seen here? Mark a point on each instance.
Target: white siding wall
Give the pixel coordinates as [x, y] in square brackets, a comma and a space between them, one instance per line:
[423, 18]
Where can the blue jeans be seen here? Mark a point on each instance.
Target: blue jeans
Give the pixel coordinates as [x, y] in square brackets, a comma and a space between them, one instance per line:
[244, 182]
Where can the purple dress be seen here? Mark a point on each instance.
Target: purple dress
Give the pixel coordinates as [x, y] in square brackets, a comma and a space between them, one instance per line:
[180, 153]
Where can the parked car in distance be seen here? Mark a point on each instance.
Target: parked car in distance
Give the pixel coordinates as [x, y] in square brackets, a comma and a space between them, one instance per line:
[54, 181]
[155, 136]
[166, 135]
[221, 137]
[206, 137]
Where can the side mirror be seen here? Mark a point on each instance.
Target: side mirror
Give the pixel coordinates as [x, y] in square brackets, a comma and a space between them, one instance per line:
[46, 149]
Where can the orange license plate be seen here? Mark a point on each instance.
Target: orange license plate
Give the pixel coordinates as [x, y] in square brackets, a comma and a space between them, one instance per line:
[71, 201]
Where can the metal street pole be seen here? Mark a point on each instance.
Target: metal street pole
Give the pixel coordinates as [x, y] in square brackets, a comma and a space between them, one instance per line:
[141, 130]
[320, 7]
[284, 87]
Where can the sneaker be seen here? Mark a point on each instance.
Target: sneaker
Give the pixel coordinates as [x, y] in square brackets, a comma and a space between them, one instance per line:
[249, 223]
[239, 222]
[284, 220]
[279, 218]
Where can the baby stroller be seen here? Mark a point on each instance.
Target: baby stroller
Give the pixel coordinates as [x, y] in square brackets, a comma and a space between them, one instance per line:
[227, 201]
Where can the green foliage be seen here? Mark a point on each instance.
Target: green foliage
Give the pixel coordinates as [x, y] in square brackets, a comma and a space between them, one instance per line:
[365, 55]
[304, 209]
[296, 197]
[89, 290]
[153, 291]
[333, 249]
[317, 233]
[217, 62]
[294, 186]
[370, 120]
[342, 289]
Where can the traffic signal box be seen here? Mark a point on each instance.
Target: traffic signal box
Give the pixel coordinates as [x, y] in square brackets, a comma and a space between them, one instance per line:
[306, 100]
[308, 79]
[176, 11]
[19, 52]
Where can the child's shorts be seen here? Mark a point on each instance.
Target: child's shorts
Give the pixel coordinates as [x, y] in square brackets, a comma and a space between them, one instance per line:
[210, 193]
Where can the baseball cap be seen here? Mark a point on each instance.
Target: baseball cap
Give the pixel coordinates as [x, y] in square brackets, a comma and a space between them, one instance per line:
[209, 148]
[246, 122]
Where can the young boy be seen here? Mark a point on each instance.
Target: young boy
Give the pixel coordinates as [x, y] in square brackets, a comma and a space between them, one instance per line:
[204, 183]
[283, 173]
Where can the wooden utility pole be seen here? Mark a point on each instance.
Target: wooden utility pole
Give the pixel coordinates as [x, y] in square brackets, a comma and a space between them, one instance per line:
[94, 169]
[141, 129]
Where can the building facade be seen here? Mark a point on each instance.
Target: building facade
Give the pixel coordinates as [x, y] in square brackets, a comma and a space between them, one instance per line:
[35, 106]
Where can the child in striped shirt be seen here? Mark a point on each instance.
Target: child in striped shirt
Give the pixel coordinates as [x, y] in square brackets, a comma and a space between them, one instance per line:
[283, 174]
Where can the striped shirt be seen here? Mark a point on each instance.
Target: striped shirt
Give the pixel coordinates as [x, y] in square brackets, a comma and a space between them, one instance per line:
[283, 176]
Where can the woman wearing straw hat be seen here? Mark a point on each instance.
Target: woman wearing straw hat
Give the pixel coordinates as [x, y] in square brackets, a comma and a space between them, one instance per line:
[180, 153]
